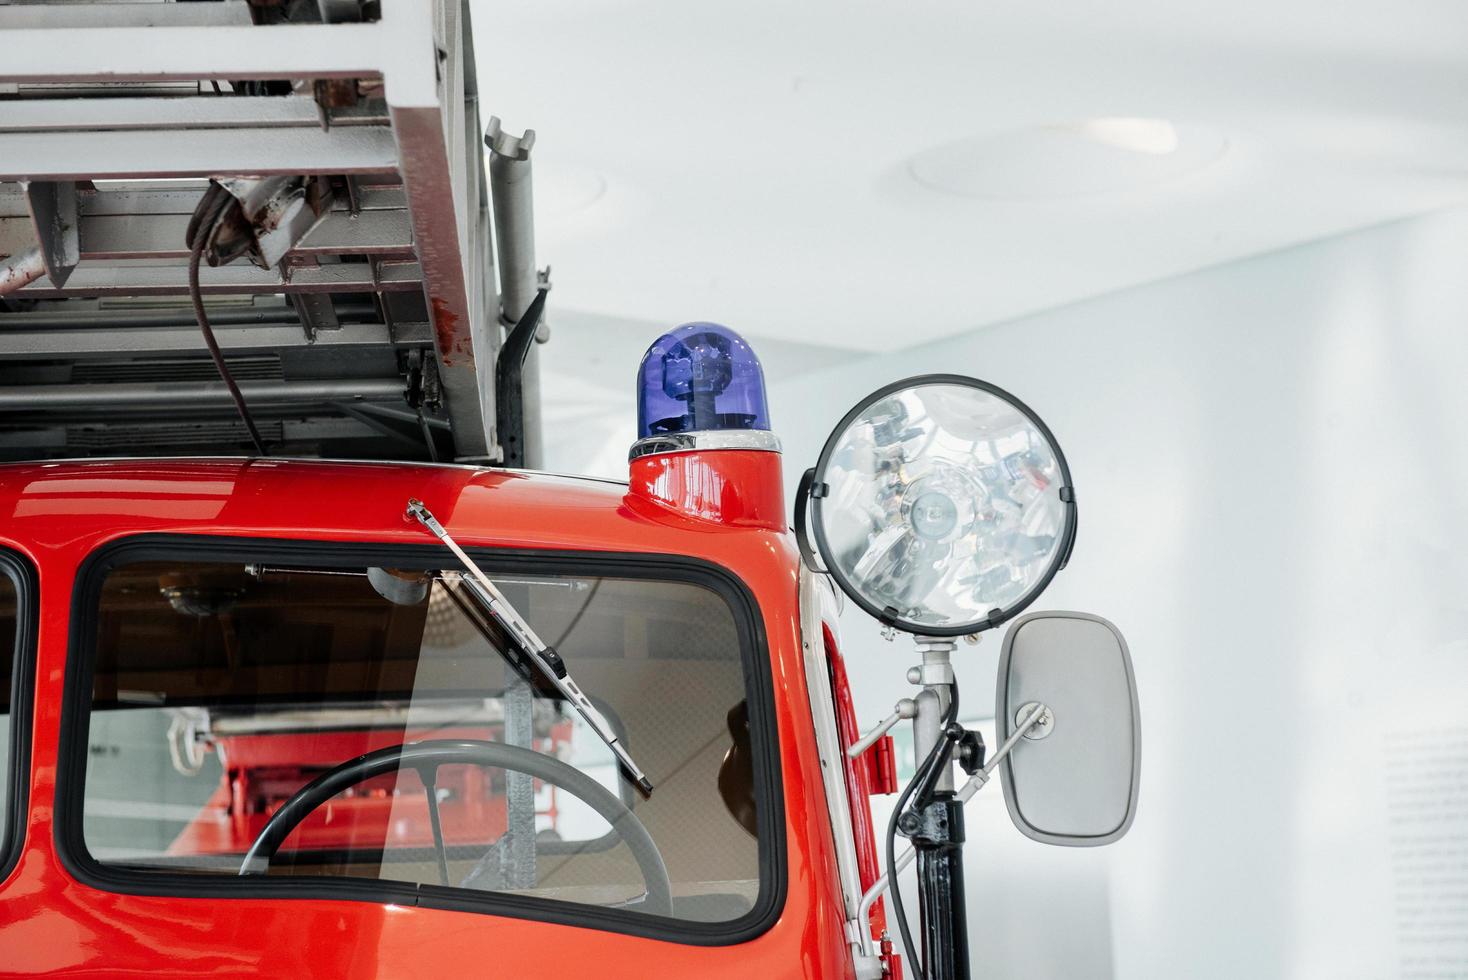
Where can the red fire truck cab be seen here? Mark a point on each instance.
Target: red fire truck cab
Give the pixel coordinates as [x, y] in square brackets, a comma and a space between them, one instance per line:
[197, 644]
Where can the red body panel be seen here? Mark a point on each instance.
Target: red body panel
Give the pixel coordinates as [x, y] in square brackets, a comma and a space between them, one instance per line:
[58, 513]
[732, 487]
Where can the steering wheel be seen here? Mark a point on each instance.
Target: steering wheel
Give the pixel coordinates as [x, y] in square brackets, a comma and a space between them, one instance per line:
[426, 757]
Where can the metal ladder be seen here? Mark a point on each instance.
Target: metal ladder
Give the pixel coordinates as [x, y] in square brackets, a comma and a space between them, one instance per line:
[362, 319]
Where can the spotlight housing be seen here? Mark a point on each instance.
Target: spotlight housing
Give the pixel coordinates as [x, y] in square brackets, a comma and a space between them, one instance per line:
[942, 505]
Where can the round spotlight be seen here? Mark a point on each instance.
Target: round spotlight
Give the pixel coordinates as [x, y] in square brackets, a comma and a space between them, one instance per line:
[941, 505]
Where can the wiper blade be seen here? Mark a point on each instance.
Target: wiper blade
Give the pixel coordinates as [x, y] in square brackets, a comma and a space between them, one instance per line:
[543, 656]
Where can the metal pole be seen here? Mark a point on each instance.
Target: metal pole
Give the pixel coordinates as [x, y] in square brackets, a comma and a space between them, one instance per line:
[192, 394]
[940, 882]
[21, 269]
[514, 231]
[111, 320]
[936, 826]
[965, 793]
[520, 859]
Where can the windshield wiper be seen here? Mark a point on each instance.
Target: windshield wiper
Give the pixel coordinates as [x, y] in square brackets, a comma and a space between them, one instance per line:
[543, 656]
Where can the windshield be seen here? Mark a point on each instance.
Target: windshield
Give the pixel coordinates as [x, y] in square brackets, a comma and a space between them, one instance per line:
[221, 689]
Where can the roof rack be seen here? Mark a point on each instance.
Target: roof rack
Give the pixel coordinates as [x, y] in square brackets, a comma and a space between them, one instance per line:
[354, 300]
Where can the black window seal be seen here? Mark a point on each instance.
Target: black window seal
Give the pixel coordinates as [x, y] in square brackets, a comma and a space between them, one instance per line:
[17, 777]
[759, 689]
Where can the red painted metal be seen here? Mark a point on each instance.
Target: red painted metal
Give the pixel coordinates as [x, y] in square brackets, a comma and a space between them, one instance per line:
[57, 514]
[733, 487]
[882, 766]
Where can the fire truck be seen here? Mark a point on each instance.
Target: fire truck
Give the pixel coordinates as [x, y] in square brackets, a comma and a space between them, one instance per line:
[307, 669]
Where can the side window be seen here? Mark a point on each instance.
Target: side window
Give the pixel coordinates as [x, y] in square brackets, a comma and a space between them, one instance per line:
[10, 686]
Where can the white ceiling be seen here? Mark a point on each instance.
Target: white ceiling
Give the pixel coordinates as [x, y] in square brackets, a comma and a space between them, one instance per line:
[752, 162]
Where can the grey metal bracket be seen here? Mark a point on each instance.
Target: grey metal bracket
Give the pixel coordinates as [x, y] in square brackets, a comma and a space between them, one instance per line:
[57, 223]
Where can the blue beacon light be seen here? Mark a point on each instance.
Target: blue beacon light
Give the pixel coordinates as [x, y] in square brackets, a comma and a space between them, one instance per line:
[700, 378]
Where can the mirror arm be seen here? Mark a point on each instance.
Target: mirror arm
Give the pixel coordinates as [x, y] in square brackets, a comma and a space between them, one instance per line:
[965, 793]
[977, 780]
[904, 709]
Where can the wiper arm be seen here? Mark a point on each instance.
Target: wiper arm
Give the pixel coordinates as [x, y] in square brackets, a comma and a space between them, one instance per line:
[536, 650]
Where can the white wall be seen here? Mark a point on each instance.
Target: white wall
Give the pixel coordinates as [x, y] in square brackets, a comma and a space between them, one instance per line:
[1271, 460]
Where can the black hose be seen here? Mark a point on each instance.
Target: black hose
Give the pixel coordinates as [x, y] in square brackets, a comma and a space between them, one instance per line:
[206, 217]
[207, 203]
[937, 755]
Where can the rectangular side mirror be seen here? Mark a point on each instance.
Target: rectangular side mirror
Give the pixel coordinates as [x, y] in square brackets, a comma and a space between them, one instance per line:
[1072, 778]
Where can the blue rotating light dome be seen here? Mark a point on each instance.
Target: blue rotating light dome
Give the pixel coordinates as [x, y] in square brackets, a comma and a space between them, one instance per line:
[700, 377]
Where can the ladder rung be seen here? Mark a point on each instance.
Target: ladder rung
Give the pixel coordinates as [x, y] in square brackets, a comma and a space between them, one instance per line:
[181, 153]
[231, 13]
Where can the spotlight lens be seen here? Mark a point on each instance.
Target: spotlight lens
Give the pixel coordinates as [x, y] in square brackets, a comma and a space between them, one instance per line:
[934, 516]
[943, 509]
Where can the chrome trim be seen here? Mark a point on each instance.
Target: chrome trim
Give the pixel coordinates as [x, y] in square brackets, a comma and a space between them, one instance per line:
[682, 442]
[829, 748]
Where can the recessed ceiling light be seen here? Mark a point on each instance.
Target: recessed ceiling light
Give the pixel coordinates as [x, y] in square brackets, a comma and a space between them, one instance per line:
[1097, 156]
[1156, 136]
